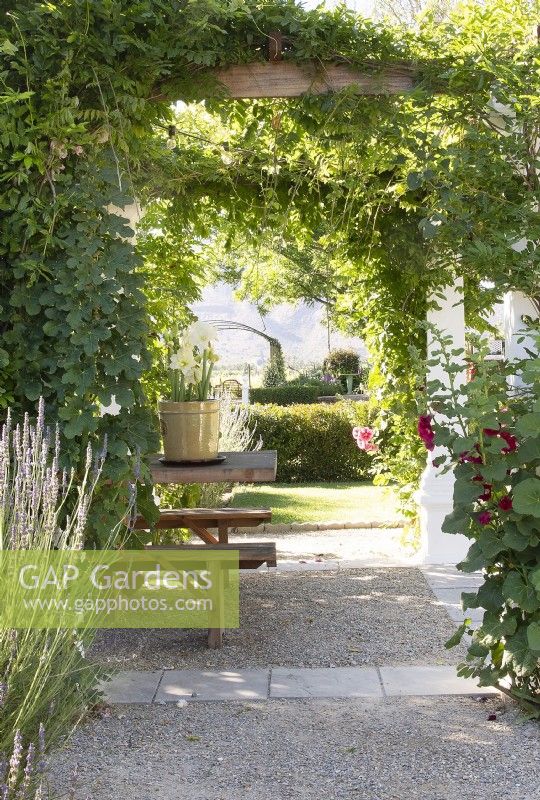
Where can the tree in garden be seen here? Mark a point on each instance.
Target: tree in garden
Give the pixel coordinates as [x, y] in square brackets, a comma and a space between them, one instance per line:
[274, 373]
[342, 361]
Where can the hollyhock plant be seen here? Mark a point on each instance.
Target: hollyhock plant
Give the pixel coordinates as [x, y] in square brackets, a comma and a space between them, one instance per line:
[487, 431]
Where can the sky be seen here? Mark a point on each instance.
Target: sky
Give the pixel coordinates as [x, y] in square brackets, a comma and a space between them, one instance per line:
[361, 6]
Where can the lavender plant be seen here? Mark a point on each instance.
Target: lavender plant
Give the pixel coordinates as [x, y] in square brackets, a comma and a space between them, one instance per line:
[44, 675]
[22, 776]
[40, 505]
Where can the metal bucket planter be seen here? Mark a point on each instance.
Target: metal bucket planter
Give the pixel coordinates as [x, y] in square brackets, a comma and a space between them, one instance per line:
[190, 430]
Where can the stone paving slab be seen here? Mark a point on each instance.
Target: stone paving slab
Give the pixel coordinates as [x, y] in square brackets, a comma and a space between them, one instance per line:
[476, 615]
[448, 577]
[314, 682]
[242, 684]
[168, 686]
[428, 680]
[132, 686]
[447, 583]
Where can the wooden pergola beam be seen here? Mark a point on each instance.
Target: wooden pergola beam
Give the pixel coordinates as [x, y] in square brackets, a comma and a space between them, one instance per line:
[288, 79]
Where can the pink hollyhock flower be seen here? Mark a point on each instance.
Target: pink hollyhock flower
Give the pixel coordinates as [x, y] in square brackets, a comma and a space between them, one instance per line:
[370, 447]
[364, 439]
[425, 431]
[364, 435]
[484, 518]
[505, 503]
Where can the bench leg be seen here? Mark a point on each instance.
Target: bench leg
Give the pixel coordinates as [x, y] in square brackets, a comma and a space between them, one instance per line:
[215, 638]
[223, 533]
[215, 635]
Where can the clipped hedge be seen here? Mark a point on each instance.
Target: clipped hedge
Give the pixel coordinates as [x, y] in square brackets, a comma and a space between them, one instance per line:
[314, 442]
[292, 393]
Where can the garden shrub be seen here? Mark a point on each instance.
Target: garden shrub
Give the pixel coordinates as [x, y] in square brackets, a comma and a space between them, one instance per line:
[491, 437]
[292, 393]
[314, 442]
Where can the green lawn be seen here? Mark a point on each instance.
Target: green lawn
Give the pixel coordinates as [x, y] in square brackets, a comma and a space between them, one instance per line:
[320, 502]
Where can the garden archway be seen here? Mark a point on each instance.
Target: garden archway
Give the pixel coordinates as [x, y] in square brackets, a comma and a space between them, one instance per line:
[86, 84]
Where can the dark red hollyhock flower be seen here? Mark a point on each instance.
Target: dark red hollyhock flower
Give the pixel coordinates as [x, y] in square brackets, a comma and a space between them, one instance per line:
[484, 518]
[491, 431]
[466, 457]
[478, 478]
[426, 432]
[510, 440]
[505, 503]
[487, 492]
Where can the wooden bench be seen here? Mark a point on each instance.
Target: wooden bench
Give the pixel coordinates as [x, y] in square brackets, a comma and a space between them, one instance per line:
[198, 520]
[251, 554]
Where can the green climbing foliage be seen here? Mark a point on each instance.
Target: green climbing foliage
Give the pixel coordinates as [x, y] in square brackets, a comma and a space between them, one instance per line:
[395, 193]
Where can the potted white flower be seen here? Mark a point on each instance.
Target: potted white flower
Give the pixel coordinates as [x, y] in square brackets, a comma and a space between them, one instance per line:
[189, 420]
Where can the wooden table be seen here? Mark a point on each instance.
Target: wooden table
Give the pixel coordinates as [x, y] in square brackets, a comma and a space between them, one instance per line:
[251, 467]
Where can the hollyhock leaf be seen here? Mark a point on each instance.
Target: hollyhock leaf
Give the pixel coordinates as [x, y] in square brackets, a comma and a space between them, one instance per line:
[469, 600]
[528, 526]
[527, 497]
[519, 654]
[529, 450]
[474, 560]
[522, 594]
[513, 538]
[458, 635]
[529, 424]
[490, 544]
[465, 491]
[495, 626]
[463, 444]
[490, 594]
[534, 578]
[494, 472]
[533, 635]
[455, 522]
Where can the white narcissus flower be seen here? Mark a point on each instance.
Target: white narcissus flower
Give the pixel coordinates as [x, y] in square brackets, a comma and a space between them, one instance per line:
[183, 359]
[192, 374]
[201, 334]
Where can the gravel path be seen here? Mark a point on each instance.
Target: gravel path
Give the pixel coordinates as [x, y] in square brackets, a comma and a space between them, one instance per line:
[426, 749]
[377, 543]
[371, 616]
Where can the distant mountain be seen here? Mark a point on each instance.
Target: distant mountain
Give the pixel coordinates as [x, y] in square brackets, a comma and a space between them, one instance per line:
[300, 329]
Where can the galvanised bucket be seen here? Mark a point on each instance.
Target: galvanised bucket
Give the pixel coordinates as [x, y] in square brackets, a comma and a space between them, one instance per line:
[190, 430]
